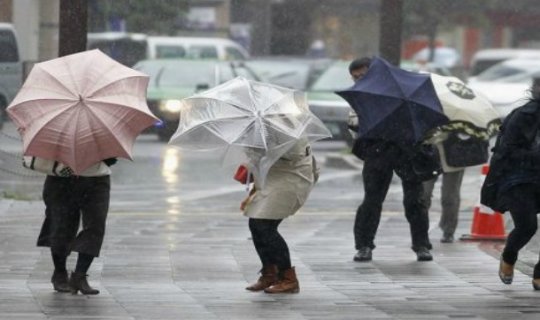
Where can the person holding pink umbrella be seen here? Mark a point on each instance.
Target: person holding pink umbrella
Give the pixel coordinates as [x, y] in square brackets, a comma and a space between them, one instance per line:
[76, 114]
[68, 199]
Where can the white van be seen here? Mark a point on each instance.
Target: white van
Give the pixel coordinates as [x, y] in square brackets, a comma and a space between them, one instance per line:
[11, 70]
[484, 59]
[196, 48]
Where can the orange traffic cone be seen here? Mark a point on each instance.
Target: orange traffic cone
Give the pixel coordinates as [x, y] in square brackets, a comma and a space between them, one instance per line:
[487, 224]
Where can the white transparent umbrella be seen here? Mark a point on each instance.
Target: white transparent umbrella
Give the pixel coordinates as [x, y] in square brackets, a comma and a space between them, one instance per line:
[247, 122]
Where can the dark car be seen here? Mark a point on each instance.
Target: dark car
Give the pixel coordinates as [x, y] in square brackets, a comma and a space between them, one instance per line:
[173, 80]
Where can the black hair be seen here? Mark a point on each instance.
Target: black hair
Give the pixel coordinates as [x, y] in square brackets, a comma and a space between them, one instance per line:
[359, 63]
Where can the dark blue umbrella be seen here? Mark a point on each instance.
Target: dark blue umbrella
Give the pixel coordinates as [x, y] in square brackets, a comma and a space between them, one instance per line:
[393, 104]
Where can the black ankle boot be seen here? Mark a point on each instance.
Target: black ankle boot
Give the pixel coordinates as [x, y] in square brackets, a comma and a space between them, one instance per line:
[78, 282]
[60, 281]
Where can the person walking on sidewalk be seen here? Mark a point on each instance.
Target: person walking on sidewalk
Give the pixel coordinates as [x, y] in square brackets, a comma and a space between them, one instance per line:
[513, 182]
[381, 158]
[287, 187]
[456, 151]
[69, 199]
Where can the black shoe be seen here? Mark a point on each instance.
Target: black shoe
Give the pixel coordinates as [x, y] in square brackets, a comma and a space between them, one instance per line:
[78, 282]
[60, 281]
[422, 254]
[364, 254]
[447, 238]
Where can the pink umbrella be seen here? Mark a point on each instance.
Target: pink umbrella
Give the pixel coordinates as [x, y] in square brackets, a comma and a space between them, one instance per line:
[81, 109]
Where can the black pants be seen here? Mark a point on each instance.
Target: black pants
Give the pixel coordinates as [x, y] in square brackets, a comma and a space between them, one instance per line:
[269, 244]
[66, 201]
[377, 179]
[523, 206]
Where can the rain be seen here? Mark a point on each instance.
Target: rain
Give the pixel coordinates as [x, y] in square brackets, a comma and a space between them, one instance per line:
[149, 151]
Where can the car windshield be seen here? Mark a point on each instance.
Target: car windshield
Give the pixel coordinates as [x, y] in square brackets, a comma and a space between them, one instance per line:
[192, 73]
[287, 74]
[335, 78]
[500, 71]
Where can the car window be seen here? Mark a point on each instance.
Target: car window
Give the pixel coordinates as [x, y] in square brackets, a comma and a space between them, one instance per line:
[8, 47]
[170, 51]
[202, 52]
[499, 72]
[334, 78]
[243, 71]
[175, 75]
[234, 54]
[482, 65]
[293, 75]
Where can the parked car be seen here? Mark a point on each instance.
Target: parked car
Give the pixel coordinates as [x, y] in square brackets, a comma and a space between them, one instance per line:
[291, 72]
[484, 59]
[173, 80]
[129, 48]
[194, 48]
[506, 85]
[11, 70]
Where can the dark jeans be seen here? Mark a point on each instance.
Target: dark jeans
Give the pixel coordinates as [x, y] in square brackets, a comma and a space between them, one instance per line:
[269, 244]
[377, 179]
[66, 201]
[523, 206]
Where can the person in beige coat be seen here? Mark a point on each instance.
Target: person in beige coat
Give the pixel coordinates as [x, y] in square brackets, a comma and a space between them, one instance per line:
[287, 187]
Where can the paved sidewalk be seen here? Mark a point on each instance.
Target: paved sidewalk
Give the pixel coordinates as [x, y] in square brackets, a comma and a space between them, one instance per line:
[196, 265]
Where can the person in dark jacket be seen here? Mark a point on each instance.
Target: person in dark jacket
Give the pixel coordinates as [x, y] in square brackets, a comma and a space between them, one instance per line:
[513, 183]
[381, 159]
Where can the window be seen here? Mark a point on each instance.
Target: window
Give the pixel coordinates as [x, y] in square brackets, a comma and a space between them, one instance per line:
[203, 52]
[164, 51]
[8, 47]
[234, 54]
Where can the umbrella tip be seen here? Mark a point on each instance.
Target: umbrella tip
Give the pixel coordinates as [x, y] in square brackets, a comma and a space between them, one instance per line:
[81, 98]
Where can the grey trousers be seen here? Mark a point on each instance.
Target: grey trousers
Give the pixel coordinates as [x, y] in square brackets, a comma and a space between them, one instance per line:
[450, 199]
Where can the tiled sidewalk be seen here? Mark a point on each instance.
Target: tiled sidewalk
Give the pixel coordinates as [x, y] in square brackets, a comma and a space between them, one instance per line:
[195, 266]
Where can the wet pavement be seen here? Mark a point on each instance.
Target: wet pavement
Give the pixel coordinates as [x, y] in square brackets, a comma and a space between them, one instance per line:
[177, 247]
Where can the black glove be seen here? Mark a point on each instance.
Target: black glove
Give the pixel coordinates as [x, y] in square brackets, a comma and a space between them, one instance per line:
[110, 161]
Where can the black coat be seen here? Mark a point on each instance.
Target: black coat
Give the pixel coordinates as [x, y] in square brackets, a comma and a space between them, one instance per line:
[411, 163]
[516, 155]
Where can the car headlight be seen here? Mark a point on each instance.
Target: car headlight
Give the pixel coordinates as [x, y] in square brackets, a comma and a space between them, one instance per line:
[172, 106]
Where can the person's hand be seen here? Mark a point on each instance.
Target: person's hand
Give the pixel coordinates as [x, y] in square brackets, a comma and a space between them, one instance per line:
[244, 203]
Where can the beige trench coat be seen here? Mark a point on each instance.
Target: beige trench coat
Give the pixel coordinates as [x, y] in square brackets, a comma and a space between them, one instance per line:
[287, 187]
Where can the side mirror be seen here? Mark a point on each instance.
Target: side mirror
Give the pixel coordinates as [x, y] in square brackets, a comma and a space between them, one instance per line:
[202, 87]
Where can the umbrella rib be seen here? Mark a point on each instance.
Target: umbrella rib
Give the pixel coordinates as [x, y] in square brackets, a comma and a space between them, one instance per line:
[220, 101]
[106, 127]
[58, 81]
[90, 94]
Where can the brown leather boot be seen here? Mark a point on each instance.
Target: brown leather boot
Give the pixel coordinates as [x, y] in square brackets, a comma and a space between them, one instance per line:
[78, 282]
[269, 276]
[288, 284]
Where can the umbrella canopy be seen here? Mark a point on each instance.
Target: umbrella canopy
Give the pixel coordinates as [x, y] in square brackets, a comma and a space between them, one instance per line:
[468, 111]
[81, 109]
[250, 122]
[393, 104]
